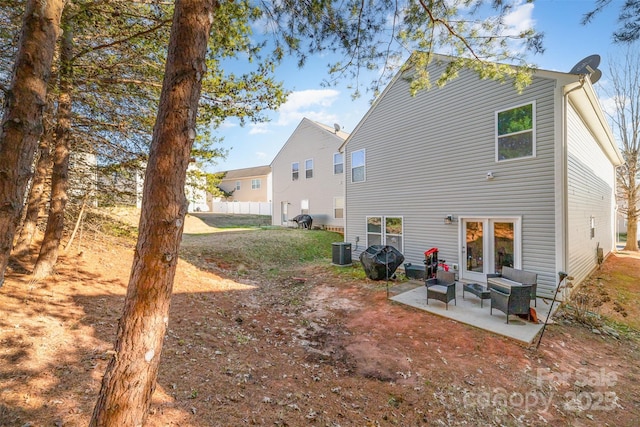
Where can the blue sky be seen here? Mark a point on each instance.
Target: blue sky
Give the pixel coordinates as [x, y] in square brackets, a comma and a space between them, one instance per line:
[566, 42]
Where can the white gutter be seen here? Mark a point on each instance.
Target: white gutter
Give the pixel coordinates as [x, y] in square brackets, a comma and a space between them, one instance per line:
[587, 104]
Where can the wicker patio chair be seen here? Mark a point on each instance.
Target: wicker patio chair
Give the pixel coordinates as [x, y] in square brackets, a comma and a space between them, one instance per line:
[442, 287]
[516, 301]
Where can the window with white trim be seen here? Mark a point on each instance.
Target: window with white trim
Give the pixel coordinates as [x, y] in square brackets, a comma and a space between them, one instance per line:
[255, 184]
[304, 207]
[295, 168]
[515, 132]
[338, 163]
[385, 230]
[358, 166]
[237, 185]
[308, 168]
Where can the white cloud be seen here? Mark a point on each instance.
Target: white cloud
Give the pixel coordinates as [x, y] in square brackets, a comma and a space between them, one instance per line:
[258, 128]
[227, 124]
[520, 18]
[261, 155]
[315, 104]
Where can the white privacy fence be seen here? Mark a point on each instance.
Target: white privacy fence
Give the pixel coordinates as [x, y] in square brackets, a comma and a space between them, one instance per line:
[251, 208]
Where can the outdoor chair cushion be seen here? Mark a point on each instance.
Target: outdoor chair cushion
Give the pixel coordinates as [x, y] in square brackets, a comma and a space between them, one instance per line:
[512, 276]
[442, 287]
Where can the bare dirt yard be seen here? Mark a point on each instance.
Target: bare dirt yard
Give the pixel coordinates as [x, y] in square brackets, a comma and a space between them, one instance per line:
[308, 344]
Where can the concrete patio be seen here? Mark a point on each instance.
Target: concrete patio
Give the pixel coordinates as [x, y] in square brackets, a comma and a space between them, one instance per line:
[468, 311]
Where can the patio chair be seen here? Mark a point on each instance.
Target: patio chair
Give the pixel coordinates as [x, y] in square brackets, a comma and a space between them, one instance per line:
[442, 287]
[516, 301]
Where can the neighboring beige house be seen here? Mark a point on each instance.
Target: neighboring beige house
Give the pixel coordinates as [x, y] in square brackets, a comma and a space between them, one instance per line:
[250, 190]
[248, 184]
[489, 176]
[308, 176]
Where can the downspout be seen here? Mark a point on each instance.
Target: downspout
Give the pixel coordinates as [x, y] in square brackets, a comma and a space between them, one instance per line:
[343, 149]
[565, 178]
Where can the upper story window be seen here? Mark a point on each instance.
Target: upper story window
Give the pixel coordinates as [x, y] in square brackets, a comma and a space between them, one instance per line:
[357, 166]
[338, 163]
[515, 133]
[237, 185]
[255, 184]
[308, 168]
[295, 169]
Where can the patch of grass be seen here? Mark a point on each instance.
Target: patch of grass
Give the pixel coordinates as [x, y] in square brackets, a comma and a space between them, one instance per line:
[623, 291]
[102, 222]
[272, 250]
[271, 253]
[623, 329]
[233, 221]
[119, 229]
[354, 271]
[395, 401]
[242, 339]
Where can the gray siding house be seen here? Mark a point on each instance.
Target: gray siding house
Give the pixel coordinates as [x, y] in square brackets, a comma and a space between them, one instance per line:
[308, 176]
[489, 176]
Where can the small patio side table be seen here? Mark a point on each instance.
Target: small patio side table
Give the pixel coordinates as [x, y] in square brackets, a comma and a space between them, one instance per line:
[478, 290]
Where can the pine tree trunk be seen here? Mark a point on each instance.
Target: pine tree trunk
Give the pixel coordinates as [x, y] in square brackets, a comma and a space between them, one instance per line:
[60, 175]
[130, 378]
[22, 115]
[36, 201]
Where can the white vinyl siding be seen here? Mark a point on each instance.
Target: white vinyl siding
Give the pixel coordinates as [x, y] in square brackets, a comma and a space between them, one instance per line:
[310, 140]
[427, 156]
[591, 184]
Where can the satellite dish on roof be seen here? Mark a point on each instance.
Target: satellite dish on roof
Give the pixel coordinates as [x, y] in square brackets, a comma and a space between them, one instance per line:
[589, 67]
[586, 66]
[336, 127]
[595, 76]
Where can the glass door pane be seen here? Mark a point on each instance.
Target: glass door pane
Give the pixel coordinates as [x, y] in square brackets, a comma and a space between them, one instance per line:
[503, 238]
[474, 246]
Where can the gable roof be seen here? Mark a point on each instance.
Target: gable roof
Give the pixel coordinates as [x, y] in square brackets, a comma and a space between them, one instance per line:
[248, 172]
[331, 129]
[338, 134]
[576, 87]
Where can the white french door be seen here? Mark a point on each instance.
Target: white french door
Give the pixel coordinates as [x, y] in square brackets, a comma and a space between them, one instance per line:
[487, 244]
